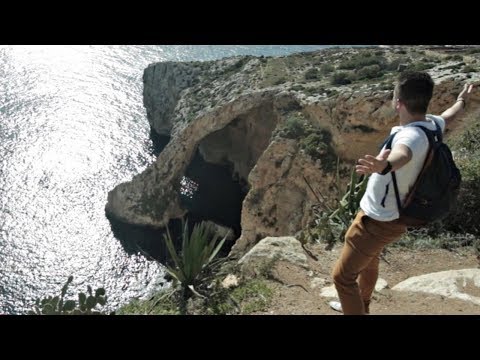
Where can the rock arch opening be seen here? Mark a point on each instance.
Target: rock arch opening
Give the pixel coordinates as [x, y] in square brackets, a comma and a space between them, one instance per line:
[216, 180]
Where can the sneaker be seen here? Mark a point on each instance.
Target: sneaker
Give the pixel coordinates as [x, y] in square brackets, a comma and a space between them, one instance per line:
[336, 305]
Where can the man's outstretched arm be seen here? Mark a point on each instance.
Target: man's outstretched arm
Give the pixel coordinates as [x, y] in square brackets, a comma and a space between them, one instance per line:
[397, 157]
[450, 114]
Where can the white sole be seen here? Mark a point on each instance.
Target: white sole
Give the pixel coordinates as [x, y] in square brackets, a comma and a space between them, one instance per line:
[336, 305]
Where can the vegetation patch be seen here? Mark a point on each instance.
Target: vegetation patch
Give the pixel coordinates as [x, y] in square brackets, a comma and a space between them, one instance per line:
[161, 303]
[313, 141]
[361, 60]
[251, 296]
[461, 227]
[88, 303]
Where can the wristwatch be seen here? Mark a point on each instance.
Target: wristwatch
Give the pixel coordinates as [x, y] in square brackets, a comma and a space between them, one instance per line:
[387, 169]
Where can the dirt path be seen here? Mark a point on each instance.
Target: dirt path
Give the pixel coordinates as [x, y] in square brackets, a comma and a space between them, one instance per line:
[294, 293]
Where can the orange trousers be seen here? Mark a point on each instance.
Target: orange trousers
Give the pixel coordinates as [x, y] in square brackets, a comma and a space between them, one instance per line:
[356, 271]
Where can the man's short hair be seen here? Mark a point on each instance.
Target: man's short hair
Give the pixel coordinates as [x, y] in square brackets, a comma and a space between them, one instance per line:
[415, 90]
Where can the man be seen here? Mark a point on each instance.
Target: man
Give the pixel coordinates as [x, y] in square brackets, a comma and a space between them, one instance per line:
[377, 223]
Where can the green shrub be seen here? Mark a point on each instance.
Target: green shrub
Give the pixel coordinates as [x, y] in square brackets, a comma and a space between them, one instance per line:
[280, 80]
[433, 238]
[467, 157]
[468, 69]
[370, 72]
[297, 87]
[327, 69]
[294, 128]
[454, 57]
[361, 60]
[314, 146]
[421, 66]
[311, 74]
[341, 78]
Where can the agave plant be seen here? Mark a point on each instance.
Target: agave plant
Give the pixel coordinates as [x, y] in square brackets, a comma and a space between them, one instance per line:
[198, 251]
[350, 203]
[331, 223]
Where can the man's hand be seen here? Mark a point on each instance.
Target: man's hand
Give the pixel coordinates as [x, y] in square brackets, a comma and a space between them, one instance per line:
[467, 90]
[371, 164]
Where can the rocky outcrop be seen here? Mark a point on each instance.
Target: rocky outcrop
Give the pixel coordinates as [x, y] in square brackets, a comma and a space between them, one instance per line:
[456, 284]
[275, 122]
[268, 251]
[163, 84]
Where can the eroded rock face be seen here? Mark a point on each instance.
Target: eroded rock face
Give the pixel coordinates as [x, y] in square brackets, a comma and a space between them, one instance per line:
[238, 112]
[162, 87]
[152, 197]
[242, 142]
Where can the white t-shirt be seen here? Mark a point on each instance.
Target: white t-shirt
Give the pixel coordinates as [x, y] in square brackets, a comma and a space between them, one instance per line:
[379, 201]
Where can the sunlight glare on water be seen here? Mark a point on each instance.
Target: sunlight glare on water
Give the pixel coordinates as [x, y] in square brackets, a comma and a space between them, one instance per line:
[72, 127]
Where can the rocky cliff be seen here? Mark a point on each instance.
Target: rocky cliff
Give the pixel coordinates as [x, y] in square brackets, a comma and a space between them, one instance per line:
[276, 122]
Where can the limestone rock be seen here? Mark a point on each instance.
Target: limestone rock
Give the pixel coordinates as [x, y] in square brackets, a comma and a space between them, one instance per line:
[272, 249]
[458, 284]
[230, 281]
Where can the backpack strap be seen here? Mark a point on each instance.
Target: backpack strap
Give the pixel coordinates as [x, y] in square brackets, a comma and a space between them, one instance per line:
[432, 136]
[388, 146]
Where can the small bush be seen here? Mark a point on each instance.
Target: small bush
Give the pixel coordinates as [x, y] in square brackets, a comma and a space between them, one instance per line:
[341, 78]
[370, 72]
[362, 60]
[311, 74]
[454, 57]
[294, 128]
[297, 88]
[327, 69]
[421, 66]
[468, 69]
[280, 80]
[314, 146]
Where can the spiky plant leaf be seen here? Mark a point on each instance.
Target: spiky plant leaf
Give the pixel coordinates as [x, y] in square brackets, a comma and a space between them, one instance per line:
[173, 254]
